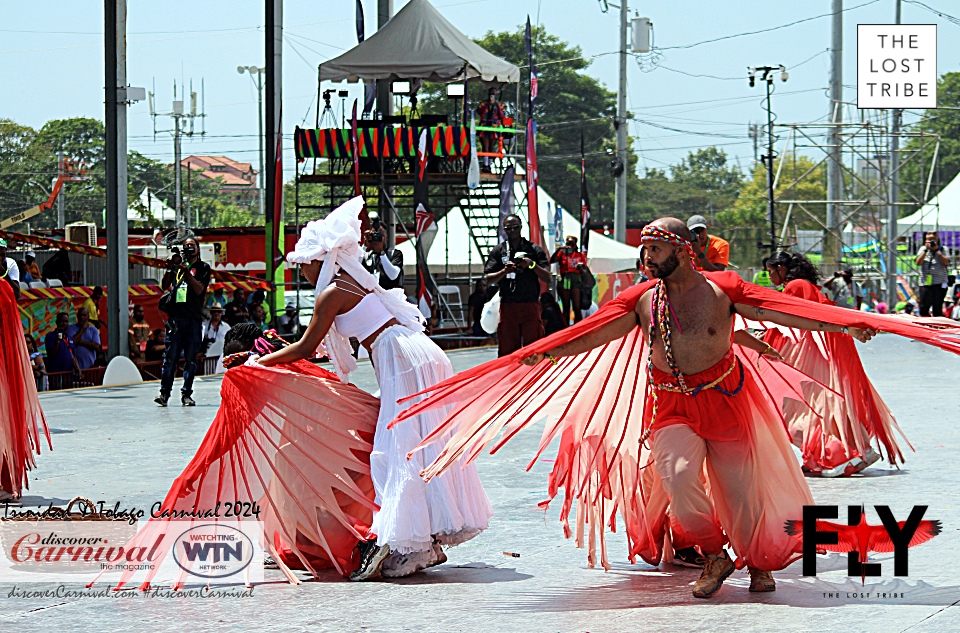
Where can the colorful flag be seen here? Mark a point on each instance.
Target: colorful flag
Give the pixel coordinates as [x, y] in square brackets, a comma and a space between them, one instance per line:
[355, 149]
[369, 86]
[473, 170]
[533, 208]
[557, 225]
[584, 201]
[278, 196]
[508, 200]
[426, 230]
[422, 154]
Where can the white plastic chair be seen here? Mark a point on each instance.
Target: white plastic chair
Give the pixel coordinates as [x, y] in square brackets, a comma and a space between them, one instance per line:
[451, 296]
[56, 283]
[37, 284]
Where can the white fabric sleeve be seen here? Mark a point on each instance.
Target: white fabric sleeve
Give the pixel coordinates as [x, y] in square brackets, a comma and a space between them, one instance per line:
[392, 271]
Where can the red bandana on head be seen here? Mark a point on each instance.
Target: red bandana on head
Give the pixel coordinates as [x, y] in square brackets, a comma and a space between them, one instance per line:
[656, 234]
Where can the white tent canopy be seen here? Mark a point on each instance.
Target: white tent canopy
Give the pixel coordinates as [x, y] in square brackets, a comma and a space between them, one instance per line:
[941, 212]
[453, 247]
[153, 208]
[418, 43]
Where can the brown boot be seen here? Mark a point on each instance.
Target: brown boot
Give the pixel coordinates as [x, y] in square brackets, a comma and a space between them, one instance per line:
[715, 571]
[761, 581]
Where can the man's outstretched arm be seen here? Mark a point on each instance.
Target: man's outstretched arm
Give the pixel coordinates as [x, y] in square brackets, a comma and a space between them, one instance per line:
[800, 323]
[609, 332]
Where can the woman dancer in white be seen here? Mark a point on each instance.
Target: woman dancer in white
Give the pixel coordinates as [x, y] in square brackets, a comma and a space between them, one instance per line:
[415, 519]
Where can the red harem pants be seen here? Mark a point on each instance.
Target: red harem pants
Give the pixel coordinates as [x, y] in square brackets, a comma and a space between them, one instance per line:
[752, 481]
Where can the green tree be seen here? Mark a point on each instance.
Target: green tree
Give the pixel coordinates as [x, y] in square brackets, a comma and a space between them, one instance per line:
[944, 122]
[703, 183]
[800, 179]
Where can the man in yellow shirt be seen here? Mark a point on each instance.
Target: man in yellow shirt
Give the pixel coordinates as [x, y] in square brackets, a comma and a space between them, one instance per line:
[92, 303]
[713, 253]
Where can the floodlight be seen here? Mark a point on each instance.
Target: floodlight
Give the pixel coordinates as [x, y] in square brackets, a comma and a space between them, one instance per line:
[784, 75]
[241, 69]
[455, 91]
[400, 87]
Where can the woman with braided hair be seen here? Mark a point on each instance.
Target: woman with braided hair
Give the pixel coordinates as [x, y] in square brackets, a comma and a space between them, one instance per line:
[834, 436]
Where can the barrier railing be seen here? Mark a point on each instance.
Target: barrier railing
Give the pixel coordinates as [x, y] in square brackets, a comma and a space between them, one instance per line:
[93, 377]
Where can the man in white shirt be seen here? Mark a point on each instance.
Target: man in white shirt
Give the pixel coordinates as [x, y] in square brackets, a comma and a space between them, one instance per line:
[8, 268]
[212, 333]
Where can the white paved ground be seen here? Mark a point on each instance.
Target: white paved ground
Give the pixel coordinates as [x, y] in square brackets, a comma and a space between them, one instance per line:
[116, 445]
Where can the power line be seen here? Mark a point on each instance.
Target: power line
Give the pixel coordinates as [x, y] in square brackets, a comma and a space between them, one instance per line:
[767, 30]
[935, 11]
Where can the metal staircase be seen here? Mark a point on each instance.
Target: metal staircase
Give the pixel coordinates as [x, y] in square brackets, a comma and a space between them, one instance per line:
[481, 210]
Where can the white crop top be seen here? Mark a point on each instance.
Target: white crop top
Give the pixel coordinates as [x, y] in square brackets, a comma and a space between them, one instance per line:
[363, 319]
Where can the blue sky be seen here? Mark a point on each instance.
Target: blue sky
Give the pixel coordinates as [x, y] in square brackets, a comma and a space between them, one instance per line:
[53, 67]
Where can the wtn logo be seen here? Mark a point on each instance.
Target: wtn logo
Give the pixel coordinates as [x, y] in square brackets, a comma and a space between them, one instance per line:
[221, 551]
[859, 539]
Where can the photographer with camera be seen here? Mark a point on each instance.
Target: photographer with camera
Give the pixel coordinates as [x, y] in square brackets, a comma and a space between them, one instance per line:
[386, 264]
[185, 285]
[61, 353]
[572, 263]
[933, 275]
[713, 253]
[517, 266]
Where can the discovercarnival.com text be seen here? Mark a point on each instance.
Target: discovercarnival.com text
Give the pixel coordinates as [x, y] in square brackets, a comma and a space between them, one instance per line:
[62, 591]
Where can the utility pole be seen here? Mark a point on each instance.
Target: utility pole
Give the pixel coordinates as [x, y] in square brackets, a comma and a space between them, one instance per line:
[620, 210]
[893, 215]
[115, 119]
[258, 82]
[61, 201]
[176, 159]
[179, 131]
[767, 75]
[273, 217]
[385, 106]
[831, 242]
[754, 133]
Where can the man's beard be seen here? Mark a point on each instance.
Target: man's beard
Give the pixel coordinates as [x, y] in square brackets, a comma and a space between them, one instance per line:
[665, 268]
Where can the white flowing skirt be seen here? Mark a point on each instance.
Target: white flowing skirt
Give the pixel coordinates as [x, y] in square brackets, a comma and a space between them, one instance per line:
[454, 506]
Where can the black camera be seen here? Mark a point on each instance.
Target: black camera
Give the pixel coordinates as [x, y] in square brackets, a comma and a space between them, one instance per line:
[175, 258]
[377, 234]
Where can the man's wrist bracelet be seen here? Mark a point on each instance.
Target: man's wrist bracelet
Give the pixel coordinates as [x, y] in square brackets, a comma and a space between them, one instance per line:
[533, 265]
[844, 329]
[553, 359]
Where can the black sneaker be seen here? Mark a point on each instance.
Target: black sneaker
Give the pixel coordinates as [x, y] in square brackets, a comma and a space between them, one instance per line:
[187, 401]
[371, 558]
[162, 399]
[688, 557]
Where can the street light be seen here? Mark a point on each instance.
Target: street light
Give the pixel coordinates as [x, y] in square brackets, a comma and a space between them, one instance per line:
[258, 82]
[766, 75]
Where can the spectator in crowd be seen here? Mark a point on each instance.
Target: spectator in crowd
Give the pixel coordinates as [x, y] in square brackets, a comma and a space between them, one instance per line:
[288, 323]
[258, 316]
[762, 276]
[236, 311]
[139, 335]
[216, 299]
[9, 269]
[187, 279]
[92, 304]
[641, 271]
[713, 253]
[490, 114]
[86, 339]
[386, 264]
[882, 307]
[156, 346]
[214, 330]
[550, 313]
[36, 363]
[475, 303]
[58, 267]
[843, 290]
[518, 266]
[933, 264]
[257, 296]
[61, 350]
[25, 277]
[572, 263]
[30, 265]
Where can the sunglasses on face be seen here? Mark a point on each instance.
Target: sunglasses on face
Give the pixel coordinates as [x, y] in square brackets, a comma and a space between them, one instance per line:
[511, 228]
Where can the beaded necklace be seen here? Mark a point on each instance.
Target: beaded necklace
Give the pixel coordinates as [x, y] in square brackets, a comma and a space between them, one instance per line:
[662, 317]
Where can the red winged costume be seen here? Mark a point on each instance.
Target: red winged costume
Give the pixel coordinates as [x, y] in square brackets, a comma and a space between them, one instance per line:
[845, 428]
[20, 414]
[595, 404]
